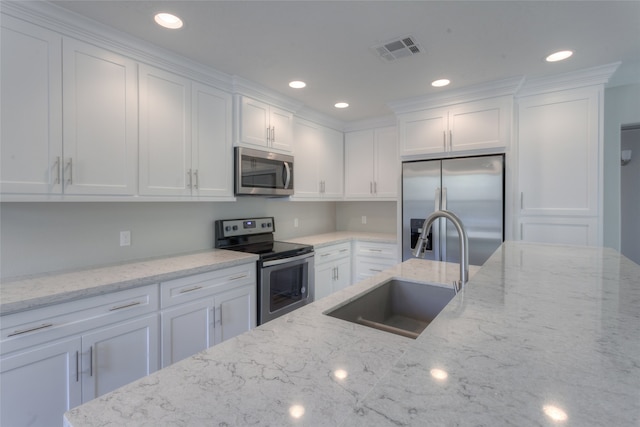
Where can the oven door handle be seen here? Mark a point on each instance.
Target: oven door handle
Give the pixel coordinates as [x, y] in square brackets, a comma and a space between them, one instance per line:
[286, 260]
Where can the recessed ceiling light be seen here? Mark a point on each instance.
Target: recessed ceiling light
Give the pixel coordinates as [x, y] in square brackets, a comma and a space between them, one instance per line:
[168, 20]
[297, 84]
[440, 83]
[341, 105]
[559, 56]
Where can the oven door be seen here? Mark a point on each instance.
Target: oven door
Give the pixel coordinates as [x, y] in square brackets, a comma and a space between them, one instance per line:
[285, 284]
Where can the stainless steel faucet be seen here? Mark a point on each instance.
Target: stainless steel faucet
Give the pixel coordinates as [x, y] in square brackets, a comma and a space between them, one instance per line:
[419, 249]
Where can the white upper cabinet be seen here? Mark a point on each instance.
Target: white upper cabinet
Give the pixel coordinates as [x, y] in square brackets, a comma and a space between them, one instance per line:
[165, 133]
[211, 152]
[559, 173]
[31, 103]
[371, 164]
[185, 140]
[318, 161]
[265, 126]
[100, 124]
[476, 125]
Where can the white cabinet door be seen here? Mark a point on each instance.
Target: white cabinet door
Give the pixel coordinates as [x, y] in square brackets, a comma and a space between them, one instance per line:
[212, 154]
[306, 174]
[371, 164]
[100, 121]
[359, 163]
[31, 105]
[235, 312]
[254, 122]
[480, 124]
[342, 277]
[387, 164]
[281, 122]
[323, 280]
[423, 132]
[119, 354]
[165, 133]
[332, 164]
[186, 330]
[559, 167]
[39, 385]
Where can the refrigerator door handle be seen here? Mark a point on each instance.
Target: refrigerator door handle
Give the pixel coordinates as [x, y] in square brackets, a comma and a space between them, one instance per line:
[444, 198]
[437, 198]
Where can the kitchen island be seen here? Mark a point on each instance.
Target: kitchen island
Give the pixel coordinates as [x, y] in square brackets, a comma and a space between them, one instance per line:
[541, 335]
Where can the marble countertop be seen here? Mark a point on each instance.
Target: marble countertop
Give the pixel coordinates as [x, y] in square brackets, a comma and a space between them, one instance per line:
[540, 331]
[38, 291]
[320, 240]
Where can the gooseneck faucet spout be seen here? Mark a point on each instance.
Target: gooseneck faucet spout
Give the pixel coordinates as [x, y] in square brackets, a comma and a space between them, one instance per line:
[419, 249]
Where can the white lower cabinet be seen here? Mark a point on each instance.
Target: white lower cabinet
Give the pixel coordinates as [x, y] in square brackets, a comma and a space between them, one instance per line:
[58, 357]
[332, 269]
[373, 258]
[40, 384]
[205, 309]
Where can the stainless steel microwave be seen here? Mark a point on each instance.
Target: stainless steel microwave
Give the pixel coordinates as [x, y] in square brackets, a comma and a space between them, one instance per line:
[262, 173]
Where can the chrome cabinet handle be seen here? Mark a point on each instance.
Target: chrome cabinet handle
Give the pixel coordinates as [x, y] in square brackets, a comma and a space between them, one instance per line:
[374, 250]
[450, 140]
[189, 175]
[268, 134]
[91, 361]
[70, 168]
[195, 288]
[444, 140]
[522, 200]
[273, 134]
[240, 276]
[120, 307]
[77, 366]
[344, 250]
[35, 328]
[197, 179]
[58, 167]
[375, 187]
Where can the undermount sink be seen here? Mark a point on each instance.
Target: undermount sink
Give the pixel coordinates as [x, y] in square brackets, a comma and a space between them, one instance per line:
[397, 306]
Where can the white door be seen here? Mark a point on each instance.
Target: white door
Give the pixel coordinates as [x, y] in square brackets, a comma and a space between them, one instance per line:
[100, 121]
[387, 165]
[119, 354]
[342, 274]
[39, 385]
[186, 330]
[423, 132]
[254, 122]
[481, 124]
[332, 163]
[31, 105]
[165, 133]
[235, 312]
[211, 154]
[281, 122]
[307, 146]
[359, 161]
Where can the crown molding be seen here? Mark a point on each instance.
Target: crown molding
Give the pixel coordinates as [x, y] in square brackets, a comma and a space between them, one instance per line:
[242, 86]
[373, 123]
[466, 94]
[588, 77]
[314, 116]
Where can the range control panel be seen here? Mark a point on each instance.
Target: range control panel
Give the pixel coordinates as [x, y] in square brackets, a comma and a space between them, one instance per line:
[243, 227]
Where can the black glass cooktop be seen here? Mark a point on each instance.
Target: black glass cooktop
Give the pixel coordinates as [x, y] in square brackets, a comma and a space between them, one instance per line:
[273, 249]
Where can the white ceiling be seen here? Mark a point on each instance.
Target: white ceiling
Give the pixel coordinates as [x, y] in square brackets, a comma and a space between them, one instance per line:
[327, 43]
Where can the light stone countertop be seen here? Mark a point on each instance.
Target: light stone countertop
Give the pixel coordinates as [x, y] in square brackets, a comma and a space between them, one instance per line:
[38, 291]
[538, 327]
[326, 239]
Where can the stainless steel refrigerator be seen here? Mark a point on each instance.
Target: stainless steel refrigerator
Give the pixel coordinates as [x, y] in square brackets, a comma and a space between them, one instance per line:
[470, 187]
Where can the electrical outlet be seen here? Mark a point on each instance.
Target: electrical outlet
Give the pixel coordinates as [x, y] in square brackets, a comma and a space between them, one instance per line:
[125, 238]
[295, 222]
[364, 219]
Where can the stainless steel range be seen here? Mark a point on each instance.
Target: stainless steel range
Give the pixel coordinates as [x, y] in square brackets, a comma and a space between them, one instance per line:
[285, 270]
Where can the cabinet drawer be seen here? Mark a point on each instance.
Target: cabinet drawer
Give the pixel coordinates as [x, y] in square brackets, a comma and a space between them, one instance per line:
[378, 250]
[332, 253]
[33, 327]
[367, 267]
[194, 287]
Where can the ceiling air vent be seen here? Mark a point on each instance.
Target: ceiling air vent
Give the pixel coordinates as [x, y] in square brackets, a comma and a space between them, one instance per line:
[397, 48]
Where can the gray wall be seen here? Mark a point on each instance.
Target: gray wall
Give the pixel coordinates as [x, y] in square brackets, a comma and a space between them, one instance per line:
[44, 237]
[630, 196]
[621, 107]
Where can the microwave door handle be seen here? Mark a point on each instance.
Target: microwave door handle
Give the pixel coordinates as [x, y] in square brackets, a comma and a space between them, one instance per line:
[287, 175]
